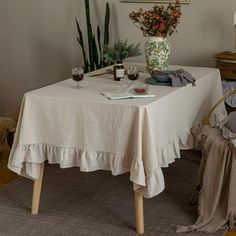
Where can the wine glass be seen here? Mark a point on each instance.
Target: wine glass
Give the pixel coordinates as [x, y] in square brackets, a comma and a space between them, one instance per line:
[124, 82]
[78, 75]
[133, 73]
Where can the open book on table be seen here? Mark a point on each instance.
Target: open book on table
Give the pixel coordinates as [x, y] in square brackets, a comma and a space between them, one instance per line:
[130, 91]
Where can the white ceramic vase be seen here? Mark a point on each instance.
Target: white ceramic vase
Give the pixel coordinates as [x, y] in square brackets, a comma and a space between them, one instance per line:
[157, 52]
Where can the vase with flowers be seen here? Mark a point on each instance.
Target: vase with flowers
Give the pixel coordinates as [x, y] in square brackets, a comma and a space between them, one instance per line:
[156, 24]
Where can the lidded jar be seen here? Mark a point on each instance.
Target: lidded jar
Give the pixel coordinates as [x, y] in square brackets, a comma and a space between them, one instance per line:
[119, 71]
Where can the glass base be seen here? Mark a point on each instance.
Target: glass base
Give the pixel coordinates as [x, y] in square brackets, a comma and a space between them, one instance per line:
[78, 86]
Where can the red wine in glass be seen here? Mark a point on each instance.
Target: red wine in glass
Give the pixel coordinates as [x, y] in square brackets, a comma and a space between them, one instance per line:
[77, 75]
[133, 73]
[133, 76]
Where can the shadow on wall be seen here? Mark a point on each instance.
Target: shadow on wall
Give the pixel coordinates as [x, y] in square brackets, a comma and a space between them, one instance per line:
[52, 63]
[190, 59]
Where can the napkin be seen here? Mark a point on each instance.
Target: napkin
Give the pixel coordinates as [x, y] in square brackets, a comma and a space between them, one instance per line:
[179, 78]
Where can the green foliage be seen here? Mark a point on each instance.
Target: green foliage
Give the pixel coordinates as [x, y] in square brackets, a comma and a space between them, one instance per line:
[95, 59]
[121, 50]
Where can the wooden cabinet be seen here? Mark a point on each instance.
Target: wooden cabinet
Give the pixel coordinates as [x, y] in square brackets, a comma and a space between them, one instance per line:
[226, 62]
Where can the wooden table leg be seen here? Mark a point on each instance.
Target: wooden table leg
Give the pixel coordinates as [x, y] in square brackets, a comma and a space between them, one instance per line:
[139, 217]
[37, 191]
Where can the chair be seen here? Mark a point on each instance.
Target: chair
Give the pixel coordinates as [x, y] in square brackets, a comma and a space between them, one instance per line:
[7, 129]
[216, 185]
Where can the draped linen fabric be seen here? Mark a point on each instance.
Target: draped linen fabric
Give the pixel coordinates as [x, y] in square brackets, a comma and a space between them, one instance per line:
[217, 182]
[80, 127]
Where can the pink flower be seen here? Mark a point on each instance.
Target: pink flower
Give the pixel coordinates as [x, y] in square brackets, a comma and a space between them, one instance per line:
[162, 27]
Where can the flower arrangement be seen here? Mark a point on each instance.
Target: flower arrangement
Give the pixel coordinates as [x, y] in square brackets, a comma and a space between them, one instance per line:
[159, 21]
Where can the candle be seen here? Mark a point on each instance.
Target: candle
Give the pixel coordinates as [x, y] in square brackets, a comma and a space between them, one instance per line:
[235, 19]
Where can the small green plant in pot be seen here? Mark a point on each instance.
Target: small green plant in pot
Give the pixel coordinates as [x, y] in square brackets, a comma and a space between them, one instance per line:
[120, 51]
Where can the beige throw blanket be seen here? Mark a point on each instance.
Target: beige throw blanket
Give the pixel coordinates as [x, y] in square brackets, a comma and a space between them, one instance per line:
[217, 178]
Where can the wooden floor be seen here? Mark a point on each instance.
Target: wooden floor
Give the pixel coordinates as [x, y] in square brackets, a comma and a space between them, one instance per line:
[7, 176]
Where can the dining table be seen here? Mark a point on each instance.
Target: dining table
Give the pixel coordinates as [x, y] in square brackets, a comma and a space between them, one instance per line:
[81, 128]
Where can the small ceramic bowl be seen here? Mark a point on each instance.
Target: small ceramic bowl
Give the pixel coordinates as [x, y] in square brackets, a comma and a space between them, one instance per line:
[161, 77]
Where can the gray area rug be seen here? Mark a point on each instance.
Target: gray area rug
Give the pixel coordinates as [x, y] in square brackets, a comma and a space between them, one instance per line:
[99, 204]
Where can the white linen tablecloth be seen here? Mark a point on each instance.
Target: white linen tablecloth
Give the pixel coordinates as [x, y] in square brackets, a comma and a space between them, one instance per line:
[80, 127]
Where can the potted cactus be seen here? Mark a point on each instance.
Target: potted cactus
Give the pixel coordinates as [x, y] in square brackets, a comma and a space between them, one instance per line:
[95, 58]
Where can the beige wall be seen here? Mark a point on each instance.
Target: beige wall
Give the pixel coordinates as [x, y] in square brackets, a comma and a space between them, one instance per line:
[38, 39]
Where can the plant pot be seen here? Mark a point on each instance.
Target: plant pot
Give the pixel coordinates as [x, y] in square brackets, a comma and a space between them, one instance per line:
[157, 52]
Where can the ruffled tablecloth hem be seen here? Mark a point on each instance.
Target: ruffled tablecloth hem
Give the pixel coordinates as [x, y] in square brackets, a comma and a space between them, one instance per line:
[25, 164]
[148, 184]
[34, 154]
